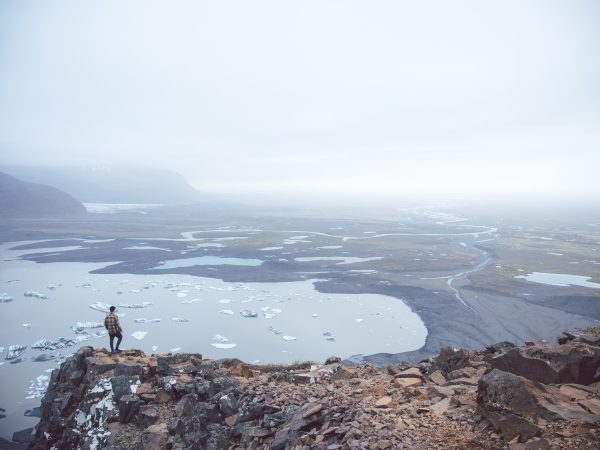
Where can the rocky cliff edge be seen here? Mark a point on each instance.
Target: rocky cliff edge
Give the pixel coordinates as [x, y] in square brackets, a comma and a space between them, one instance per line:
[541, 396]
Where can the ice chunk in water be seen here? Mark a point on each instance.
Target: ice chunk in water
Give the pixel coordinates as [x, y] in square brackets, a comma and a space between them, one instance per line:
[51, 287]
[154, 348]
[27, 325]
[227, 311]
[248, 313]
[179, 319]
[181, 294]
[274, 330]
[80, 327]
[37, 388]
[135, 305]
[99, 306]
[220, 341]
[144, 320]
[5, 298]
[139, 335]
[45, 344]
[194, 300]
[35, 295]
[174, 349]
[329, 336]
[14, 351]
[289, 338]
[315, 315]
[44, 357]
[225, 301]
[358, 320]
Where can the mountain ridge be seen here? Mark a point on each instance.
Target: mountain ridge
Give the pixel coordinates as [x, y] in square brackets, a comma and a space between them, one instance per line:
[112, 184]
[22, 198]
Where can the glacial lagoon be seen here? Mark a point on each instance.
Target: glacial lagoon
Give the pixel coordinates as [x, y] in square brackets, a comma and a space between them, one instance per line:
[256, 322]
[560, 279]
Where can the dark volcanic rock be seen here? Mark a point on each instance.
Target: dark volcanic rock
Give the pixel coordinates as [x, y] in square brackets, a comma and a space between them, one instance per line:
[576, 362]
[134, 401]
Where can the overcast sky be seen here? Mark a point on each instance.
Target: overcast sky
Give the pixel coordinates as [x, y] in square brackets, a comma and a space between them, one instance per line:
[310, 96]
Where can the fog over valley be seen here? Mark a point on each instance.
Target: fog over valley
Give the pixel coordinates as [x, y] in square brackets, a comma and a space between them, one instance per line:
[337, 224]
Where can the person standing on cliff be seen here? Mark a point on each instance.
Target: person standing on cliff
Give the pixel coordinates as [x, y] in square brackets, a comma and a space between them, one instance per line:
[111, 323]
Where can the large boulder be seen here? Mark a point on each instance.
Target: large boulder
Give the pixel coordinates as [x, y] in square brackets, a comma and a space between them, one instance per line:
[573, 362]
[513, 404]
[451, 359]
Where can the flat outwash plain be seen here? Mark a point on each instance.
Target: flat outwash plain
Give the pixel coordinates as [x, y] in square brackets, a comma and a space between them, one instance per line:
[401, 284]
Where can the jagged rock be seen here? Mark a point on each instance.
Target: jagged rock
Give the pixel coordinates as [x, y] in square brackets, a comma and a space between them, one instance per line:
[23, 436]
[155, 437]
[440, 407]
[574, 362]
[124, 385]
[451, 359]
[333, 360]
[148, 415]
[407, 382]
[437, 377]
[128, 368]
[165, 365]
[129, 407]
[383, 402]
[222, 386]
[412, 372]
[294, 425]
[499, 347]
[227, 404]
[532, 444]
[512, 404]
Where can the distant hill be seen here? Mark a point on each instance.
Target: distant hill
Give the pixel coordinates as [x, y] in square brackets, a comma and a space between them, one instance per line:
[20, 198]
[112, 184]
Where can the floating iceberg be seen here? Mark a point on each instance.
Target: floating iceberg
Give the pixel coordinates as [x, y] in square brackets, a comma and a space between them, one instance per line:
[358, 320]
[154, 348]
[37, 388]
[275, 330]
[144, 320]
[80, 327]
[225, 301]
[139, 335]
[194, 300]
[27, 325]
[51, 287]
[85, 336]
[5, 298]
[35, 295]
[181, 294]
[329, 336]
[45, 344]
[227, 311]
[14, 351]
[289, 338]
[248, 313]
[44, 357]
[179, 319]
[135, 305]
[222, 342]
[174, 349]
[99, 306]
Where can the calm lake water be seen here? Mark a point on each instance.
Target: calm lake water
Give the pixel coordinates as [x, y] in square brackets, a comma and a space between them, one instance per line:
[293, 321]
[560, 279]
